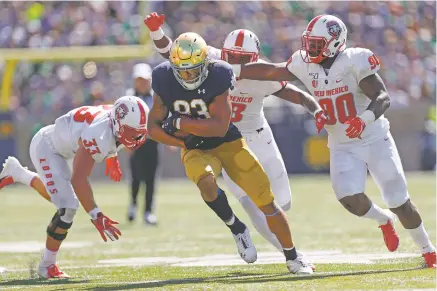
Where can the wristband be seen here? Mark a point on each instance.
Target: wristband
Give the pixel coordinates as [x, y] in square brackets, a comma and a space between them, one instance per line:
[368, 116]
[237, 70]
[93, 213]
[157, 35]
[178, 123]
[164, 50]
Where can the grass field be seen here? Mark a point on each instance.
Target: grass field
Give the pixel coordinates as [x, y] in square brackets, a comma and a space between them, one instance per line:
[191, 249]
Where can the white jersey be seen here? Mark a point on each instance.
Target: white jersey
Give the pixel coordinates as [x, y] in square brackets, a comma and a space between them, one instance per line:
[339, 94]
[247, 99]
[89, 123]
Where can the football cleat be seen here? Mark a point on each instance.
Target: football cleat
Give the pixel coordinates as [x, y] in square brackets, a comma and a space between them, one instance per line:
[391, 238]
[299, 266]
[51, 271]
[11, 168]
[150, 218]
[430, 259]
[8, 180]
[305, 258]
[245, 247]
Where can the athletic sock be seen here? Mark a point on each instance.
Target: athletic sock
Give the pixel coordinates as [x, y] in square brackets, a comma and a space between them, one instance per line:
[221, 207]
[421, 238]
[378, 214]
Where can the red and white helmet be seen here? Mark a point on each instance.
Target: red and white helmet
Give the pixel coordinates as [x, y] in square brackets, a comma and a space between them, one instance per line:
[324, 37]
[129, 121]
[241, 43]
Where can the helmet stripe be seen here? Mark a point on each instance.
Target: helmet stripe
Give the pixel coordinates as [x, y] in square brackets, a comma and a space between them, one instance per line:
[142, 114]
[313, 22]
[240, 38]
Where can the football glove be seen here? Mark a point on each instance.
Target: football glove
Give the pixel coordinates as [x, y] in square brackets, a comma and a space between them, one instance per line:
[153, 21]
[105, 226]
[321, 120]
[193, 141]
[356, 127]
[113, 169]
[169, 125]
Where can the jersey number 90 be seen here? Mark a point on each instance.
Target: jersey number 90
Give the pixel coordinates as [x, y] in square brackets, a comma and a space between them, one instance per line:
[195, 107]
[341, 109]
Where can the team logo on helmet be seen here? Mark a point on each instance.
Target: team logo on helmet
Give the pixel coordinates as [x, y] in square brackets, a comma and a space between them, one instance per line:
[334, 28]
[121, 111]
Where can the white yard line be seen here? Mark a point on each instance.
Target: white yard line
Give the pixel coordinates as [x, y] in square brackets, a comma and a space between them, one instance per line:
[317, 257]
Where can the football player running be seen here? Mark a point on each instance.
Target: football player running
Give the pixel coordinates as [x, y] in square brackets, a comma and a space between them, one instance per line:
[83, 136]
[196, 91]
[354, 97]
[247, 98]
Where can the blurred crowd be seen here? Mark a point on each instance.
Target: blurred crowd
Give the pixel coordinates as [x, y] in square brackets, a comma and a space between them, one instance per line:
[402, 34]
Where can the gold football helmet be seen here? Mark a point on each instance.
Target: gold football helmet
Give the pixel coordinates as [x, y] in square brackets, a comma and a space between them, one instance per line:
[189, 60]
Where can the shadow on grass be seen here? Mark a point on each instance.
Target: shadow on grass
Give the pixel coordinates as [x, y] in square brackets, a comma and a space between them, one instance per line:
[239, 278]
[39, 281]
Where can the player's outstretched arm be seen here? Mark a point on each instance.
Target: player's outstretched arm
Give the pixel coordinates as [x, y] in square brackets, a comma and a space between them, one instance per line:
[295, 95]
[216, 126]
[83, 164]
[162, 42]
[157, 114]
[264, 72]
[373, 87]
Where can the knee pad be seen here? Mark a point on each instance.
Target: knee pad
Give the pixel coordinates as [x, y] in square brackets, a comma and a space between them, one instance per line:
[63, 219]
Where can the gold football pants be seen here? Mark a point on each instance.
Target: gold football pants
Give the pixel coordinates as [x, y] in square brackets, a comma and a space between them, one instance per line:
[240, 164]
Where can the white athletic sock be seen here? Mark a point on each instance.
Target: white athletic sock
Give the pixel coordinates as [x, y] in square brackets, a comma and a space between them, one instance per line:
[24, 176]
[49, 257]
[231, 221]
[421, 238]
[259, 221]
[378, 214]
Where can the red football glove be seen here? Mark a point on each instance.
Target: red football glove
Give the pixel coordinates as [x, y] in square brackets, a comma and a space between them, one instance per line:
[321, 120]
[356, 127]
[105, 226]
[113, 169]
[154, 21]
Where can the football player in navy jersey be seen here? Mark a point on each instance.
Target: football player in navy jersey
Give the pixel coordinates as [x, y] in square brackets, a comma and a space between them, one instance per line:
[195, 90]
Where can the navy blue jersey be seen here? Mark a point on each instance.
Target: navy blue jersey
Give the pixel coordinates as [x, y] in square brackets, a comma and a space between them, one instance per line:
[196, 102]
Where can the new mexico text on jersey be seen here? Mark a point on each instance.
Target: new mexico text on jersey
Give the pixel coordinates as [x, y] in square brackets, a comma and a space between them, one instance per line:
[338, 91]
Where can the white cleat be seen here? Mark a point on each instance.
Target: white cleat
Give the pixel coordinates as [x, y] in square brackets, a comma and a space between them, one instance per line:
[299, 266]
[305, 258]
[52, 271]
[150, 218]
[245, 247]
[11, 166]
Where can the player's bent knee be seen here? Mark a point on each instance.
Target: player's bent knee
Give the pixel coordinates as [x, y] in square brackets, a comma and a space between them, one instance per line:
[406, 209]
[208, 188]
[270, 209]
[356, 204]
[61, 223]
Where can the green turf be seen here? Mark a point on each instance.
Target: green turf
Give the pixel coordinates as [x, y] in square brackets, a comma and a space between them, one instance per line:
[187, 228]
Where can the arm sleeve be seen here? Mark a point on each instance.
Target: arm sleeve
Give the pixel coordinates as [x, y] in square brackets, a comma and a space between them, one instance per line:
[365, 63]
